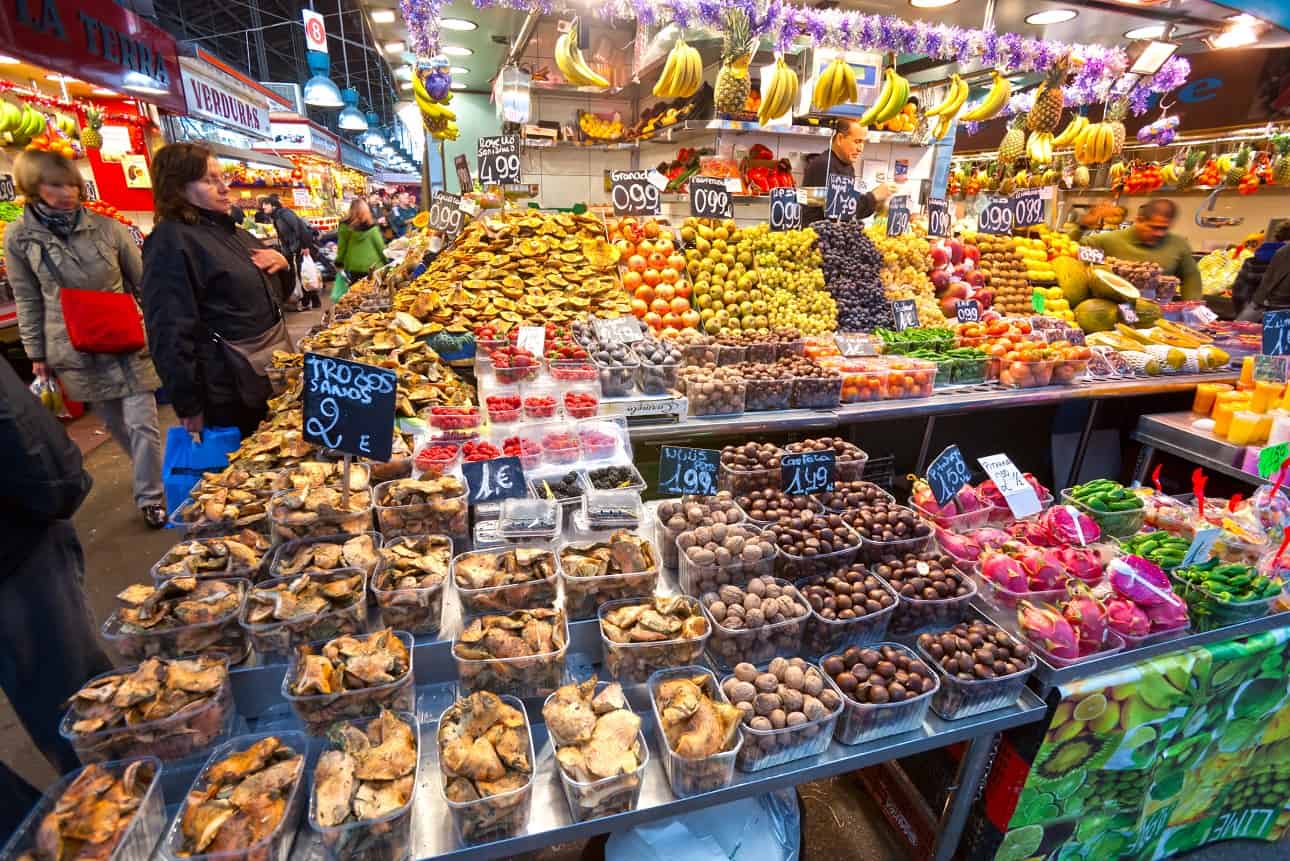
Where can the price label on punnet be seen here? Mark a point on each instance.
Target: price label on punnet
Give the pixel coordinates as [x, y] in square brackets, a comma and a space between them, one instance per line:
[841, 198]
[710, 198]
[898, 215]
[1017, 492]
[785, 211]
[632, 193]
[967, 311]
[1089, 254]
[688, 470]
[445, 213]
[938, 218]
[996, 218]
[499, 160]
[1028, 208]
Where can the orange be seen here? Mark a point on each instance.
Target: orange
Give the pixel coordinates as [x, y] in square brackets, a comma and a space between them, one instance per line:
[639, 308]
[631, 280]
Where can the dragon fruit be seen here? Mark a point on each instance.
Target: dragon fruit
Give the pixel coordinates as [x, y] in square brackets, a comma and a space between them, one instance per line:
[1043, 572]
[989, 537]
[1004, 571]
[1080, 563]
[956, 512]
[1139, 580]
[1087, 616]
[1168, 614]
[1067, 525]
[991, 496]
[1045, 626]
[1032, 532]
[1127, 617]
[959, 545]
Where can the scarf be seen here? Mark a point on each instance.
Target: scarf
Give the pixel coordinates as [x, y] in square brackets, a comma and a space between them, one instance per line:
[60, 222]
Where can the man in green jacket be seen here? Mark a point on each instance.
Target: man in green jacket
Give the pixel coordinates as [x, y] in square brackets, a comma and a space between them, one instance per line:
[1147, 239]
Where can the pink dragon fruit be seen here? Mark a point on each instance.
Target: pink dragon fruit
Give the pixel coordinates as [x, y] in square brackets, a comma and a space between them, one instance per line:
[1140, 580]
[989, 537]
[1042, 571]
[1127, 617]
[1004, 571]
[923, 497]
[1032, 532]
[1168, 614]
[1067, 525]
[959, 545]
[1045, 626]
[1081, 563]
[990, 495]
[1087, 616]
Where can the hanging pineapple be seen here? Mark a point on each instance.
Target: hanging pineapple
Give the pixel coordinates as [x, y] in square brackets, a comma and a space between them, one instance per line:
[1013, 144]
[1240, 165]
[1046, 113]
[1115, 119]
[733, 82]
[91, 137]
[1281, 168]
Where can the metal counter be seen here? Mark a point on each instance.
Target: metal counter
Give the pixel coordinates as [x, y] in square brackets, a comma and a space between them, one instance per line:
[1173, 433]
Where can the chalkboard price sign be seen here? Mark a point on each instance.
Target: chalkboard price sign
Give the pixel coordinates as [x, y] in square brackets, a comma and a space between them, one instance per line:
[1276, 339]
[898, 215]
[947, 474]
[938, 218]
[632, 193]
[7, 190]
[905, 314]
[967, 311]
[841, 199]
[1089, 254]
[349, 406]
[1027, 208]
[996, 218]
[709, 197]
[499, 160]
[464, 182]
[494, 480]
[808, 472]
[688, 470]
[445, 214]
[785, 211]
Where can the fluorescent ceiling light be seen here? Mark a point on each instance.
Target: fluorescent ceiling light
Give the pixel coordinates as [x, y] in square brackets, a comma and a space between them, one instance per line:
[57, 77]
[456, 51]
[403, 73]
[6, 60]
[459, 70]
[394, 47]
[382, 16]
[931, 4]
[458, 85]
[104, 91]
[1051, 16]
[457, 24]
[1150, 31]
[1241, 30]
[1152, 56]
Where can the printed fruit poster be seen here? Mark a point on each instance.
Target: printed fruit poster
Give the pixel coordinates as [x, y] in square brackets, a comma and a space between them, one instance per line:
[1161, 757]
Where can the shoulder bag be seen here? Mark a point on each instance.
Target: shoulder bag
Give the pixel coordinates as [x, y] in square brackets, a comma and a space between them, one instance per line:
[98, 321]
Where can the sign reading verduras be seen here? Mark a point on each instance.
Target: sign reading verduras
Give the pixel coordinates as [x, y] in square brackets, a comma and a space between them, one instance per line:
[349, 406]
[499, 160]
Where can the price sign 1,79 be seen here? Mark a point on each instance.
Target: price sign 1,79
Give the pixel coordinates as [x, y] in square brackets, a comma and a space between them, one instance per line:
[499, 160]
[785, 211]
[841, 200]
[709, 197]
[632, 193]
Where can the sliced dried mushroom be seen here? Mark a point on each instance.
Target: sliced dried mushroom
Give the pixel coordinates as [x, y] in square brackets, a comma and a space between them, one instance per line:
[695, 724]
[306, 595]
[210, 557]
[92, 815]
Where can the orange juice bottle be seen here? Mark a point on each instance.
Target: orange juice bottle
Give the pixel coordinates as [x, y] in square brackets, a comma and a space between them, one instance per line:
[1205, 394]
[1247, 373]
[1265, 396]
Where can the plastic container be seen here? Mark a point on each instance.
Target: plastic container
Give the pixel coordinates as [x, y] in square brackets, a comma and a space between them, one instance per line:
[142, 830]
[559, 443]
[916, 615]
[493, 817]
[1208, 612]
[1115, 643]
[861, 722]
[527, 595]
[688, 776]
[727, 647]
[817, 393]
[1006, 599]
[965, 522]
[319, 711]
[658, 379]
[792, 567]
[289, 526]
[695, 579]
[222, 637]
[634, 663]
[667, 537]
[498, 408]
[862, 380]
[1068, 372]
[731, 354]
[699, 351]
[741, 482]
[1022, 374]
[386, 838]
[618, 380]
[582, 595]
[605, 440]
[764, 395]
[593, 799]
[580, 400]
[834, 635]
[720, 407]
[417, 610]
[454, 423]
[540, 402]
[1131, 642]
[284, 551]
[1115, 524]
[435, 459]
[235, 568]
[524, 677]
[532, 520]
[191, 518]
[277, 845]
[637, 484]
[447, 515]
[836, 505]
[876, 551]
[170, 739]
[959, 698]
[282, 636]
[612, 509]
[574, 372]
[766, 748]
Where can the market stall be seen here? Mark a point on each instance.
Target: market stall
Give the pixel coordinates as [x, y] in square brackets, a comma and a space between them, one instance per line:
[315, 180]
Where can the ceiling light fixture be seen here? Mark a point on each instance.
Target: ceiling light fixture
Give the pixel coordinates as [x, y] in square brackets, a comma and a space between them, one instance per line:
[351, 119]
[321, 91]
[458, 85]
[382, 16]
[6, 60]
[394, 47]
[1241, 30]
[1051, 16]
[460, 24]
[1145, 59]
[931, 4]
[456, 51]
[1150, 31]
[459, 70]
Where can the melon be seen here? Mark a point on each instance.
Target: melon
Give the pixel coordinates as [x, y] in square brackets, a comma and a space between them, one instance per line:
[1096, 315]
[1072, 277]
[1148, 313]
[1105, 284]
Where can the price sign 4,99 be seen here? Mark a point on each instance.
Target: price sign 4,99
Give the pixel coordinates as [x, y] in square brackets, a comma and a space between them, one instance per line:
[996, 218]
[632, 193]
[499, 160]
[709, 198]
[785, 211]
[1027, 208]
[841, 200]
[938, 217]
[445, 213]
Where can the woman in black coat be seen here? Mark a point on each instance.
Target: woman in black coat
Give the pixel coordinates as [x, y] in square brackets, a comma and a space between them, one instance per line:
[208, 290]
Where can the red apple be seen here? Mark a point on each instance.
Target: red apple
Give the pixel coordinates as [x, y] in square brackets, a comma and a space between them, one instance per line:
[940, 280]
[985, 297]
[948, 307]
[971, 252]
[956, 250]
[940, 256]
[957, 290]
[976, 278]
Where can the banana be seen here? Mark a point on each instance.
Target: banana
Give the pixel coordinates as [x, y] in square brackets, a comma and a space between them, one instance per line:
[823, 87]
[1000, 92]
[572, 64]
[960, 97]
[897, 104]
[947, 101]
[666, 86]
[694, 66]
[885, 98]
[1073, 128]
[849, 76]
[841, 92]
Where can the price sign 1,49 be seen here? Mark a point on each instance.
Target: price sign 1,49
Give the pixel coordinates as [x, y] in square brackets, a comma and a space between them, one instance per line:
[785, 211]
[841, 200]
[996, 218]
[709, 198]
[807, 472]
[499, 160]
[1027, 208]
[445, 213]
[938, 218]
[632, 193]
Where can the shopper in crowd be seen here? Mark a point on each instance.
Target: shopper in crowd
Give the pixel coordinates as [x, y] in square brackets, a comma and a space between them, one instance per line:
[58, 245]
[1272, 292]
[840, 159]
[262, 215]
[359, 245]
[296, 237]
[48, 641]
[1147, 239]
[209, 290]
[1250, 278]
[402, 213]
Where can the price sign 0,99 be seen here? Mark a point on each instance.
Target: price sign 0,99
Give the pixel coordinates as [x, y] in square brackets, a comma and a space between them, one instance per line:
[445, 213]
[1089, 254]
[996, 218]
[841, 200]
[967, 311]
[898, 215]
[499, 160]
[785, 211]
[688, 470]
[938, 218]
[632, 193]
[807, 472]
[709, 198]
[1027, 208]
[905, 314]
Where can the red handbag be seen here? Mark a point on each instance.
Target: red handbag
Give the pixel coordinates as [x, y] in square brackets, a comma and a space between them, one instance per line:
[102, 322]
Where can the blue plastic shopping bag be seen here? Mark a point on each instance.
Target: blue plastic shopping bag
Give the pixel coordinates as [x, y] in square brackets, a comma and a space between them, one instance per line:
[185, 461]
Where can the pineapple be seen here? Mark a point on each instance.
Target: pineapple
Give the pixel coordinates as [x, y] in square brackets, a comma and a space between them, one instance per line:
[733, 83]
[1115, 118]
[1240, 166]
[1013, 145]
[1046, 113]
[91, 137]
[1281, 168]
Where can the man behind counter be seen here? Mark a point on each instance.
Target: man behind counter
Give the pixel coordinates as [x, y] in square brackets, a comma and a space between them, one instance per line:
[1147, 239]
[839, 159]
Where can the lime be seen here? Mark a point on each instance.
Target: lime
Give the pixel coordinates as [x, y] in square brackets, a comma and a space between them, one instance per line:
[1090, 707]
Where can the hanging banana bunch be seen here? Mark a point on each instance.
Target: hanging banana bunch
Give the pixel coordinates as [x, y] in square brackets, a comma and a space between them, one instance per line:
[947, 110]
[1078, 123]
[781, 95]
[682, 73]
[436, 118]
[1039, 148]
[994, 101]
[891, 100]
[836, 85]
[568, 57]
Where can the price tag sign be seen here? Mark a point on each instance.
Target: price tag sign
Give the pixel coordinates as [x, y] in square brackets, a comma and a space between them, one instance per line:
[967, 311]
[532, 338]
[1272, 458]
[1129, 315]
[464, 182]
[1089, 254]
[1038, 301]
[1017, 492]
[445, 214]
[709, 197]
[1275, 339]
[499, 160]
[947, 474]
[898, 215]
[807, 472]
[7, 190]
[996, 218]
[1028, 208]
[656, 179]
[938, 217]
[905, 313]
[494, 480]
[300, 197]
[785, 211]
[619, 330]
[91, 190]
[1270, 369]
[1201, 545]
[349, 406]
[1204, 315]
[688, 470]
[632, 193]
[841, 199]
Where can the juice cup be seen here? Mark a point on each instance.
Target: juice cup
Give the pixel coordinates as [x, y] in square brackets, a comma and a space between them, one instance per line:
[1266, 394]
[1230, 398]
[1247, 373]
[1243, 427]
[1265, 429]
[1223, 415]
[1205, 393]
